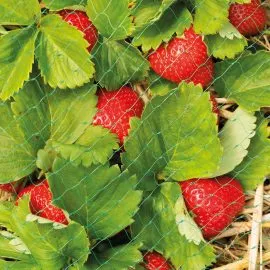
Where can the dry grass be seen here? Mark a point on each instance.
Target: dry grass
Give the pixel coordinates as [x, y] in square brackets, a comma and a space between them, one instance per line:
[246, 243]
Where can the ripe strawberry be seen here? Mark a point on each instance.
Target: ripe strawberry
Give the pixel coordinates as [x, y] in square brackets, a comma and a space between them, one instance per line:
[41, 202]
[214, 202]
[115, 108]
[12, 187]
[249, 19]
[184, 58]
[80, 20]
[155, 261]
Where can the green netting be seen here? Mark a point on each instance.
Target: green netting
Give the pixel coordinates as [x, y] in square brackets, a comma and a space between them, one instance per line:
[134, 134]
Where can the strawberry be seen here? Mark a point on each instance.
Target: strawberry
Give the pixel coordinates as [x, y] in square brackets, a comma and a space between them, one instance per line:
[80, 20]
[155, 261]
[10, 187]
[115, 108]
[41, 202]
[214, 202]
[184, 59]
[249, 19]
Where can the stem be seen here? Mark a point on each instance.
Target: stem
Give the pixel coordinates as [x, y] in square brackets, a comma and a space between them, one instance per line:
[142, 93]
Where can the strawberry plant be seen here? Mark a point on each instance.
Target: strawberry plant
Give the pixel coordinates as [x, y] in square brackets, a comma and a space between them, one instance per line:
[132, 133]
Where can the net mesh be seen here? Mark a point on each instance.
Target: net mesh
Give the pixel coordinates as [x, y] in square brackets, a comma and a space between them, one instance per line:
[101, 126]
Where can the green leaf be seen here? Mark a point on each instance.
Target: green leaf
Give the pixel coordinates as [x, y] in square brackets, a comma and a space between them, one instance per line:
[23, 12]
[223, 47]
[49, 246]
[38, 116]
[17, 158]
[71, 112]
[18, 265]
[186, 225]
[174, 20]
[12, 247]
[93, 147]
[30, 108]
[121, 58]
[120, 257]
[190, 146]
[45, 158]
[210, 15]
[62, 54]
[167, 141]
[229, 31]
[148, 11]
[3, 30]
[256, 165]
[245, 80]
[155, 225]
[103, 200]
[112, 20]
[235, 139]
[16, 59]
[60, 4]
[160, 86]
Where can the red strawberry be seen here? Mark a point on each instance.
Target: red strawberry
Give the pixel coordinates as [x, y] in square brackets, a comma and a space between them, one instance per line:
[249, 19]
[41, 202]
[115, 108]
[155, 261]
[80, 20]
[10, 187]
[214, 202]
[184, 58]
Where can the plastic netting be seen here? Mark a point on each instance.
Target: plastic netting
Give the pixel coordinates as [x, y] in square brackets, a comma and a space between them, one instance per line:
[134, 134]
